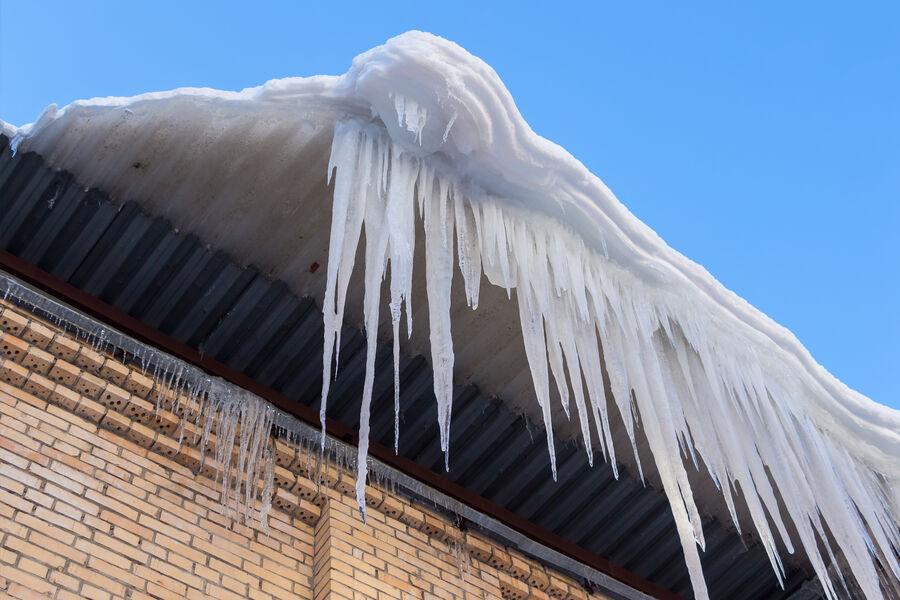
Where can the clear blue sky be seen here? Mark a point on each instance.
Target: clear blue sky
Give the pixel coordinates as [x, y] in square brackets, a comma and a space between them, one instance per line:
[763, 141]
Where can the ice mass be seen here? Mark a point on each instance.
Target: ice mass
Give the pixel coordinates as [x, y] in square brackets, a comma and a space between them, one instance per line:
[427, 143]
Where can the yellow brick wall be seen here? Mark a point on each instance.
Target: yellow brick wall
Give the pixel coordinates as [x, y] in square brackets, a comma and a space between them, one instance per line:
[98, 500]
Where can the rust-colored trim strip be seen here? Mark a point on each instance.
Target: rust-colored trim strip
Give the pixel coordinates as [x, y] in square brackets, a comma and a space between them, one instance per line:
[137, 329]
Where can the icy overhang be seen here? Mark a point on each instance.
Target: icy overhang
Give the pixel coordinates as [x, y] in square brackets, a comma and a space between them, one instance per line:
[419, 126]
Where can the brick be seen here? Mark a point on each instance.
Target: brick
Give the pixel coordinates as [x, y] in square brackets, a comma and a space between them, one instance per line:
[17, 502]
[114, 397]
[65, 374]
[96, 579]
[89, 359]
[40, 386]
[89, 385]
[164, 422]
[166, 529]
[92, 592]
[223, 594]
[64, 397]
[235, 586]
[189, 457]
[114, 372]
[56, 477]
[35, 553]
[38, 334]
[158, 591]
[14, 473]
[12, 527]
[13, 373]
[64, 580]
[159, 581]
[165, 445]
[64, 348]
[38, 361]
[25, 585]
[32, 495]
[217, 552]
[55, 546]
[116, 573]
[10, 488]
[105, 500]
[138, 384]
[181, 549]
[184, 577]
[122, 485]
[12, 321]
[154, 550]
[519, 567]
[90, 410]
[31, 566]
[121, 548]
[116, 422]
[105, 554]
[12, 348]
[76, 470]
[115, 519]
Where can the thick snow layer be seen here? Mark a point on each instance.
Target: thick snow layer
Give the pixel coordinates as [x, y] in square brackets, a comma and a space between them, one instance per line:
[423, 132]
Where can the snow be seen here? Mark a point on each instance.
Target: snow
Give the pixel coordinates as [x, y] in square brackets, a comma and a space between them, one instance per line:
[8, 129]
[425, 133]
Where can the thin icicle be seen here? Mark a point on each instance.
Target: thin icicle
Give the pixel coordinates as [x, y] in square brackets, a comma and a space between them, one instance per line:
[396, 387]
[377, 240]
[468, 249]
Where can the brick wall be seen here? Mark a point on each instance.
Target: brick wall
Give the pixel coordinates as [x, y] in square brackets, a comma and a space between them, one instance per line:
[98, 500]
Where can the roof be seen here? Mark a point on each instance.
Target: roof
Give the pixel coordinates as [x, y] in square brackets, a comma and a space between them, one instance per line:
[170, 281]
[650, 349]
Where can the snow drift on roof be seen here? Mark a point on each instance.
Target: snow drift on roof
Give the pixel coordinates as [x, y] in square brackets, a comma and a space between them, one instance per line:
[425, 132]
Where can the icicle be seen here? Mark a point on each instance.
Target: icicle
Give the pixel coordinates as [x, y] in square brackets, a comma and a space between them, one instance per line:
[400, 219]
[586, 345]
[438, 280]
[396, 388]
[347, 212]
[468, 249]
[554, 350]
[535, 350]
[566, 336]
[376, 256]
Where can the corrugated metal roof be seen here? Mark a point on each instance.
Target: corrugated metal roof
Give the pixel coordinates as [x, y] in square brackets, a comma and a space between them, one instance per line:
[201, 297]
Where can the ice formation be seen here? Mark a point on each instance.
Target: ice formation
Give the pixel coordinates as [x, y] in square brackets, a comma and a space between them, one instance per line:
[706, 377]
[423, 132]
[701, 385]
[233, 430]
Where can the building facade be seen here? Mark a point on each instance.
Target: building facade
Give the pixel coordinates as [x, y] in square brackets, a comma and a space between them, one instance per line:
[100, 497]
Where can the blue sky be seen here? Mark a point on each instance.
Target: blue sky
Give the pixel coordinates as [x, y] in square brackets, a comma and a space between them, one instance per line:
[762, 140]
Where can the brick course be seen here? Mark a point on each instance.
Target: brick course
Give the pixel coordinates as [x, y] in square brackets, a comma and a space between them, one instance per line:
[98, 500]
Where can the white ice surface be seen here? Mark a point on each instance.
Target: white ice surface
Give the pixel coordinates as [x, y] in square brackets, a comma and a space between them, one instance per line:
[425, 131]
